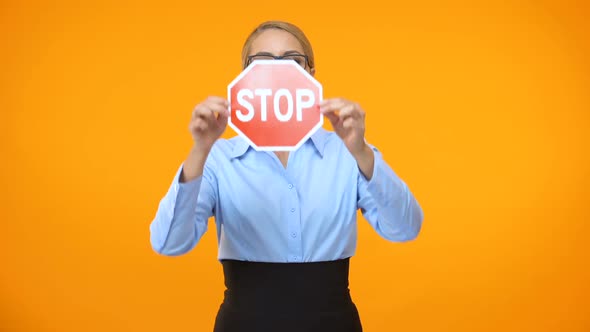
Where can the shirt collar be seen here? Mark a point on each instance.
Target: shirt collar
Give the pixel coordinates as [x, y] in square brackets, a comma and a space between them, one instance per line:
[240, 148]
[318, 139]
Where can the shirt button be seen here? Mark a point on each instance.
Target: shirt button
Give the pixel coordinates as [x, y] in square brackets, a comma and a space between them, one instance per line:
[292, 209]
[290, 186]
[294, 235]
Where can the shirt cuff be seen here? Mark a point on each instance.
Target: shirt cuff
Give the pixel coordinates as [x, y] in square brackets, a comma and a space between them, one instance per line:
[186, 191]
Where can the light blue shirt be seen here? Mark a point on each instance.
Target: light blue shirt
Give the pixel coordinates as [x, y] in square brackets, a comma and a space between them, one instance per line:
[265, 212]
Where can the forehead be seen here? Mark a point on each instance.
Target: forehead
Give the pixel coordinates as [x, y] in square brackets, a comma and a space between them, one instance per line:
[276, 42]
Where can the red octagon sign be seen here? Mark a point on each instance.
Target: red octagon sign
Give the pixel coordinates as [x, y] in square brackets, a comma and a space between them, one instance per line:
[274, 105]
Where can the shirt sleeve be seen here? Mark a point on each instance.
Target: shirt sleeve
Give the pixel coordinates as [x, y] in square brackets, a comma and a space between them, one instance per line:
[387, 203]
[183, 213]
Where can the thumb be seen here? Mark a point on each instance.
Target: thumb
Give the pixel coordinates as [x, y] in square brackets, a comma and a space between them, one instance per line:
[222, 118]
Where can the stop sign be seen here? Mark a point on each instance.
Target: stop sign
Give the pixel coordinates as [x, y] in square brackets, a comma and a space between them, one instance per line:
[274, 105]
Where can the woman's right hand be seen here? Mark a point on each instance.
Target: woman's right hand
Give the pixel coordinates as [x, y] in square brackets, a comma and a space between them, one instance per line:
[208, 122]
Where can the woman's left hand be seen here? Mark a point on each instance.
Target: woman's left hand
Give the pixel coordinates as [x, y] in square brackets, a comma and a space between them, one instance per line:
[348, 121]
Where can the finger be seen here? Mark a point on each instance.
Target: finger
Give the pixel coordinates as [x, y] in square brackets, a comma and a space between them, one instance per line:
[328, 101]
[334, 118]
[216, 104]
[222, 118]
[349, 123]
[198, 125]
[203, 125]
[209, 118]
[348, 111]
[203, 112]
[333, 105]
[217, 100]
[219, 108]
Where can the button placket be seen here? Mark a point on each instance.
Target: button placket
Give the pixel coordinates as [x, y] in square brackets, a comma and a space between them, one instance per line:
[294, 225]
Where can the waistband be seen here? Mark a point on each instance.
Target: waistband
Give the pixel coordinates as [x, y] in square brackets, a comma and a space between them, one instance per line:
[275, 287]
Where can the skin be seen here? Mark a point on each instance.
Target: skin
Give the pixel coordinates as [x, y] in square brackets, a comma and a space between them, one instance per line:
[209, 118]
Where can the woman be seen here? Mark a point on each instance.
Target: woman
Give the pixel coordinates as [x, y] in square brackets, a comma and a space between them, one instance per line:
[286, 222]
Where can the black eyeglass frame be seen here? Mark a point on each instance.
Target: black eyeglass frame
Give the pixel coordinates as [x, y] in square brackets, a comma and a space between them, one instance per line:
[278, 57]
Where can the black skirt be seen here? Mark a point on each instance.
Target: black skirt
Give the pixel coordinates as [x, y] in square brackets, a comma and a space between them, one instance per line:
[285, 297]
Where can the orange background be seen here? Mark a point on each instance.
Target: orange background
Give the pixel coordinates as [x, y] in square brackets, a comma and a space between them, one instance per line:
[483, 108]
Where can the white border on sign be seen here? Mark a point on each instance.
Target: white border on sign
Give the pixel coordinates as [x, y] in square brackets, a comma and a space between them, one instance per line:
[275, 62]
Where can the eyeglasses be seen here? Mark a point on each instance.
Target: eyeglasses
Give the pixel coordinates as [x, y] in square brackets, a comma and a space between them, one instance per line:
[301, 59]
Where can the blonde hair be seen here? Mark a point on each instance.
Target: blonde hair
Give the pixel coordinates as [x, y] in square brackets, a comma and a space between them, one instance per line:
[279, 25]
